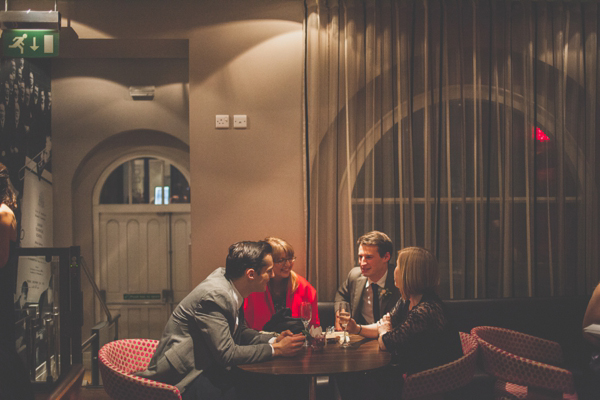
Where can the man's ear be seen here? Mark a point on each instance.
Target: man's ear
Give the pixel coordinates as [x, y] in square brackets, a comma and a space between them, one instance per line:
[387, 257]
[250, 273]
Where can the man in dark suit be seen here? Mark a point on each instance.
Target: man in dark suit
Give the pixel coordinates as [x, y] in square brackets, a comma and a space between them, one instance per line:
[206, 334]
[369, 288]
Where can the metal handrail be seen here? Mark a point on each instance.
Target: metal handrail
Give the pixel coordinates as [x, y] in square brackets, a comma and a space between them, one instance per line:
[96, 290]
[94, 339]
[89, 341]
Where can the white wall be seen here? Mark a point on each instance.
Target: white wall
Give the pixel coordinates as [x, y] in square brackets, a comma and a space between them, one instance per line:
[243, 57]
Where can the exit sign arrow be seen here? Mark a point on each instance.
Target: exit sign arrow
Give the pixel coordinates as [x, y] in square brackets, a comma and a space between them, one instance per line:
[34, 47]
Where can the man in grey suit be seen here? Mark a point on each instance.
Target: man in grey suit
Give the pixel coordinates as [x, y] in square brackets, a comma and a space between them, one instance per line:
[206, 334]
[369, 288]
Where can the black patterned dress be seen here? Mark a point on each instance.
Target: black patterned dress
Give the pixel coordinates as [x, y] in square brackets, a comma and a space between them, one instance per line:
[422, 338]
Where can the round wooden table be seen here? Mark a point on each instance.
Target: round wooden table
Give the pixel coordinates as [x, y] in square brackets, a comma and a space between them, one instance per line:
[362, 355]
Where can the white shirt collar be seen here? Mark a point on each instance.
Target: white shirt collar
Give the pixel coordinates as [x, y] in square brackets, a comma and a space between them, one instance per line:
[380, 282]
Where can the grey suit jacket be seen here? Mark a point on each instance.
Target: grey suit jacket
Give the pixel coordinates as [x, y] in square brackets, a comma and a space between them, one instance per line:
[201, 335]
[351, 291]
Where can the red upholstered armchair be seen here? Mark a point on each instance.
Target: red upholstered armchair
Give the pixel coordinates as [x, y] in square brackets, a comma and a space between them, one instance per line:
[525, 366]
[432, 383]
[120, 359]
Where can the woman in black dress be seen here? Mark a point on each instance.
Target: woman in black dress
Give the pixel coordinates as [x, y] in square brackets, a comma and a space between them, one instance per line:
[14, 381]
[417, 331]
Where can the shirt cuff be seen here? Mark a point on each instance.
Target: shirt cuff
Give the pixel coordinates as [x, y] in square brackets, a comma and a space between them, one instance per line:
[271, 341]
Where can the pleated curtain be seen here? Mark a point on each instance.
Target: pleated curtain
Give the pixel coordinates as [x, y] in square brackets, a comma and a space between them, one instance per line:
[466, 127]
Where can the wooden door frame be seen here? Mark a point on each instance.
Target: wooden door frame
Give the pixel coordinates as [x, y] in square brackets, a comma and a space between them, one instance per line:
[98, 208]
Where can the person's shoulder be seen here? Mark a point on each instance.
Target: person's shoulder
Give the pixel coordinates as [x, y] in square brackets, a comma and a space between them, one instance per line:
[594, 301]
[354, 274]
[8, 223]
[7, 216]
[214, 288]
[596, 292]
[303, 284]
[431, 304]
[302, 280]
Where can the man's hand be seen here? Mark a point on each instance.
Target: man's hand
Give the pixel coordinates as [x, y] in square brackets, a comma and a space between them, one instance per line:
[337, 325]
[344, 319]
[352, 326]
[288, 345]
[283, 334]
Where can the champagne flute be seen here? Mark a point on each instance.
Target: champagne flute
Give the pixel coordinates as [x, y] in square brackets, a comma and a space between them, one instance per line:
[343, 309]
[306, 316]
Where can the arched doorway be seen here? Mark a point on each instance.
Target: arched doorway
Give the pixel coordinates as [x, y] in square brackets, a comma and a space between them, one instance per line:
[141, 214]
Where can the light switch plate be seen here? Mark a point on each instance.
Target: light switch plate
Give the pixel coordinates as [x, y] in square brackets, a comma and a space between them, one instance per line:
[240, 121]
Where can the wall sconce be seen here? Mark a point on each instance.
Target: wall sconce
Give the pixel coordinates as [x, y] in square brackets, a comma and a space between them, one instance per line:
[142, 92]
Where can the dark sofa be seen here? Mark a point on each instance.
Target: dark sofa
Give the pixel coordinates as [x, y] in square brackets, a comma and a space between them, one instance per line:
[553, 318]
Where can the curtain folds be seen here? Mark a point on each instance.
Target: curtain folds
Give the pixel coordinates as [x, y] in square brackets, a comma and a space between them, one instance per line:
[466, 127]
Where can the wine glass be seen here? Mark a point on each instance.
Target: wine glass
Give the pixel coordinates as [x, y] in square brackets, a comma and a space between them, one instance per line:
[343, 309]
[306, 316]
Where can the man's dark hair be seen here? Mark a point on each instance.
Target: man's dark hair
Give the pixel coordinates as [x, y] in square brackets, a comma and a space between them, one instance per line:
[246, 255]
[379, 239]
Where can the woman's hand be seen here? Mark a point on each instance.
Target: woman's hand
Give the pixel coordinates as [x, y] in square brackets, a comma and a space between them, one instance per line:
[384, 325]
[386, 318]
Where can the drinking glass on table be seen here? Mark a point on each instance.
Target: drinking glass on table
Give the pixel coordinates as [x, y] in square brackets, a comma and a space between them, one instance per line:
[343, 311]
[306, 316]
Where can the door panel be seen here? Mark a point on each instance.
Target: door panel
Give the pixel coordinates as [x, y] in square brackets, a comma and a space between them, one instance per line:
[141, 321]
[135, 267]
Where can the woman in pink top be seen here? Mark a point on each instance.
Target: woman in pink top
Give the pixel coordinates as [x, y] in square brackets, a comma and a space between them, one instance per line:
[285, 289]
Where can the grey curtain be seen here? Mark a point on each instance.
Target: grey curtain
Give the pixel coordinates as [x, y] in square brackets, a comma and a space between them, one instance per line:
[467, 127]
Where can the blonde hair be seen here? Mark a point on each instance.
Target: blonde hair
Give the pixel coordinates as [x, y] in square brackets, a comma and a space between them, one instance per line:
[282, 249]
[418, 271]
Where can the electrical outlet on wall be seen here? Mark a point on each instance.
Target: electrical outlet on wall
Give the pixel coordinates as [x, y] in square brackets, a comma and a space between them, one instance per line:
[222, 122]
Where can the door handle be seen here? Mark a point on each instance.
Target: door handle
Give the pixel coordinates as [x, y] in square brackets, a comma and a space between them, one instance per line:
[167, 295]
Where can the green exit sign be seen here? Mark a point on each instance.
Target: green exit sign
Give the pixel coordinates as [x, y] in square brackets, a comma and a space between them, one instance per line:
[29, 43]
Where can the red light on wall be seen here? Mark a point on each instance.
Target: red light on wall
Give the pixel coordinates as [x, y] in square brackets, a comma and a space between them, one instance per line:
[540, 136]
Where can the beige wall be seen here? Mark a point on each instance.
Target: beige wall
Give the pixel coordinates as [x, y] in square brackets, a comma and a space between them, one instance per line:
[240, 57]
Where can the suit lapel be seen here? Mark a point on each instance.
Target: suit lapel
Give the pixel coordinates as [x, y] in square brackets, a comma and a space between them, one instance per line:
[358, 292]
[389, 285]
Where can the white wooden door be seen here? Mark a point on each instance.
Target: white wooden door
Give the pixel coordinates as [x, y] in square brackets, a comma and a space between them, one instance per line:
[144, 267]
